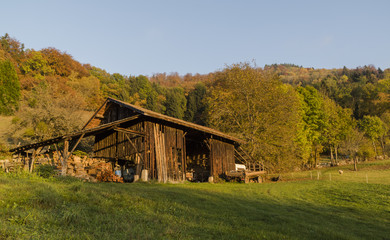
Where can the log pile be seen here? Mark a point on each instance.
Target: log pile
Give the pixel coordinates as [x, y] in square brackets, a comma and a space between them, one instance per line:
[106, 175]
[91, 170]
[88, 169]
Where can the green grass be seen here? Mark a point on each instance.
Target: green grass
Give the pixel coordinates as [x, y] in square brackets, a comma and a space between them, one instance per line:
[36, 208]
[368, 172]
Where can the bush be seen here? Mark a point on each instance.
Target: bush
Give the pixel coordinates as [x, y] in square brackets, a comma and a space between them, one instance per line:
[46, 170]
[4, 151]
[80, 153]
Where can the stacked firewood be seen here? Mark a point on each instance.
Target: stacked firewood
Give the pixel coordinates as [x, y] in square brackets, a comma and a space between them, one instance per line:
[91, 170]
[108, 176]
[77, 168]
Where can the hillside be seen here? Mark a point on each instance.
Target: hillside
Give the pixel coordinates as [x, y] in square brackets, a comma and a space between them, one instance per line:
[36, 208]
[287, 115]
[5, 123]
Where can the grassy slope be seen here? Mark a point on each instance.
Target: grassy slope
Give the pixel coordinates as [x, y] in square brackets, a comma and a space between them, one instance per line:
[371, 172]
[31, 207]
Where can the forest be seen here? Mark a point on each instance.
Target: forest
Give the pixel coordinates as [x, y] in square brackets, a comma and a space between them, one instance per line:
[287, 115]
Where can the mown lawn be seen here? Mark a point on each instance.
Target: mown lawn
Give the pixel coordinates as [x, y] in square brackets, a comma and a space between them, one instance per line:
[36, 208]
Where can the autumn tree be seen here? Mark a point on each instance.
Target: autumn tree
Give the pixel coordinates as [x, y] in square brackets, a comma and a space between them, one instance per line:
[88, 88]
[51, 109]
[13, 48]
[255, 106]
[63, 64]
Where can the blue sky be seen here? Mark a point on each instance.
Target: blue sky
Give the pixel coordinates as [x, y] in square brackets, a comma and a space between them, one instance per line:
[202, 36]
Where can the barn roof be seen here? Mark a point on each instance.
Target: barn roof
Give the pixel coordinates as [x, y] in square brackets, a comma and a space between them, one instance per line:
[85, 132]
[176, 121]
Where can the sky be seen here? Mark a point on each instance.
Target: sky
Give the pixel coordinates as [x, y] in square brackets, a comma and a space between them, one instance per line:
[202, 36]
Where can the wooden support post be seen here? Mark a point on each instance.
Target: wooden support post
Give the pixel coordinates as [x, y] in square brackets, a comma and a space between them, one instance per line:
[31, 163]
[36, 152]
[58, 153]
[211, 159]
[184, 156]
[26, 162]
[65, 157]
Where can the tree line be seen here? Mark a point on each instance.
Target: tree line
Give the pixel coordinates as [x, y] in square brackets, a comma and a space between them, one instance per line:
[287, 115]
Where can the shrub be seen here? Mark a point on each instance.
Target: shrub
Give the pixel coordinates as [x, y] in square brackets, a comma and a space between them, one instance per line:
[46, 170]
[80, 153]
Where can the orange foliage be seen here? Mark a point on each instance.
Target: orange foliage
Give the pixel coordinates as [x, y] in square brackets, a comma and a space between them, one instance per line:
[63, 64]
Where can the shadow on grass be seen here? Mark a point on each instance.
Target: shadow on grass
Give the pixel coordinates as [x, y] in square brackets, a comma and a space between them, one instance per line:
[198, 211]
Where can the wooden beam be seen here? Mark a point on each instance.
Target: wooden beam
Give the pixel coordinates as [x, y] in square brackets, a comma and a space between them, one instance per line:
[124, 130]
[87, 132]
[75, 145]
[208, 145]
[135, 148]
[235, 150]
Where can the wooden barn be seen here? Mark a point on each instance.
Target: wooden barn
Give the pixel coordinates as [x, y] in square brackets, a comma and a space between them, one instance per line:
[152, 145]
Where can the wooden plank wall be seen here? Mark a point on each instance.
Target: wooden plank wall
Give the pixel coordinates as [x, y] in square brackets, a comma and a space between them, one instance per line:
[165, 152]
[112, 145]
[110, 112]
[162, 149]
[115, 112]
[221, 157]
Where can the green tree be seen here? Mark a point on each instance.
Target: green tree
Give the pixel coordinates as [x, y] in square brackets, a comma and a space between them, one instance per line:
[352, 144]
[385, 117]
[255, 106]
[9, 88]
[35, 65]
[314, 118]
[373, 128]
[196, 105]
[175, 102]
[338, 124]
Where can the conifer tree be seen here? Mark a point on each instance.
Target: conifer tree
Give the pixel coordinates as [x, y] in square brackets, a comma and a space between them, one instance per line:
[9, 88]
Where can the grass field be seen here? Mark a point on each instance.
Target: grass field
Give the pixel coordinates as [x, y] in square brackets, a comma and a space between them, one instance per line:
[345, 208]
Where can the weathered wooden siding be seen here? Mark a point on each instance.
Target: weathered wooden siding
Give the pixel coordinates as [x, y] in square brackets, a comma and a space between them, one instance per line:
[109, 112]
[114, 145]
[161, 150]
[165, 152]
[221, 157]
